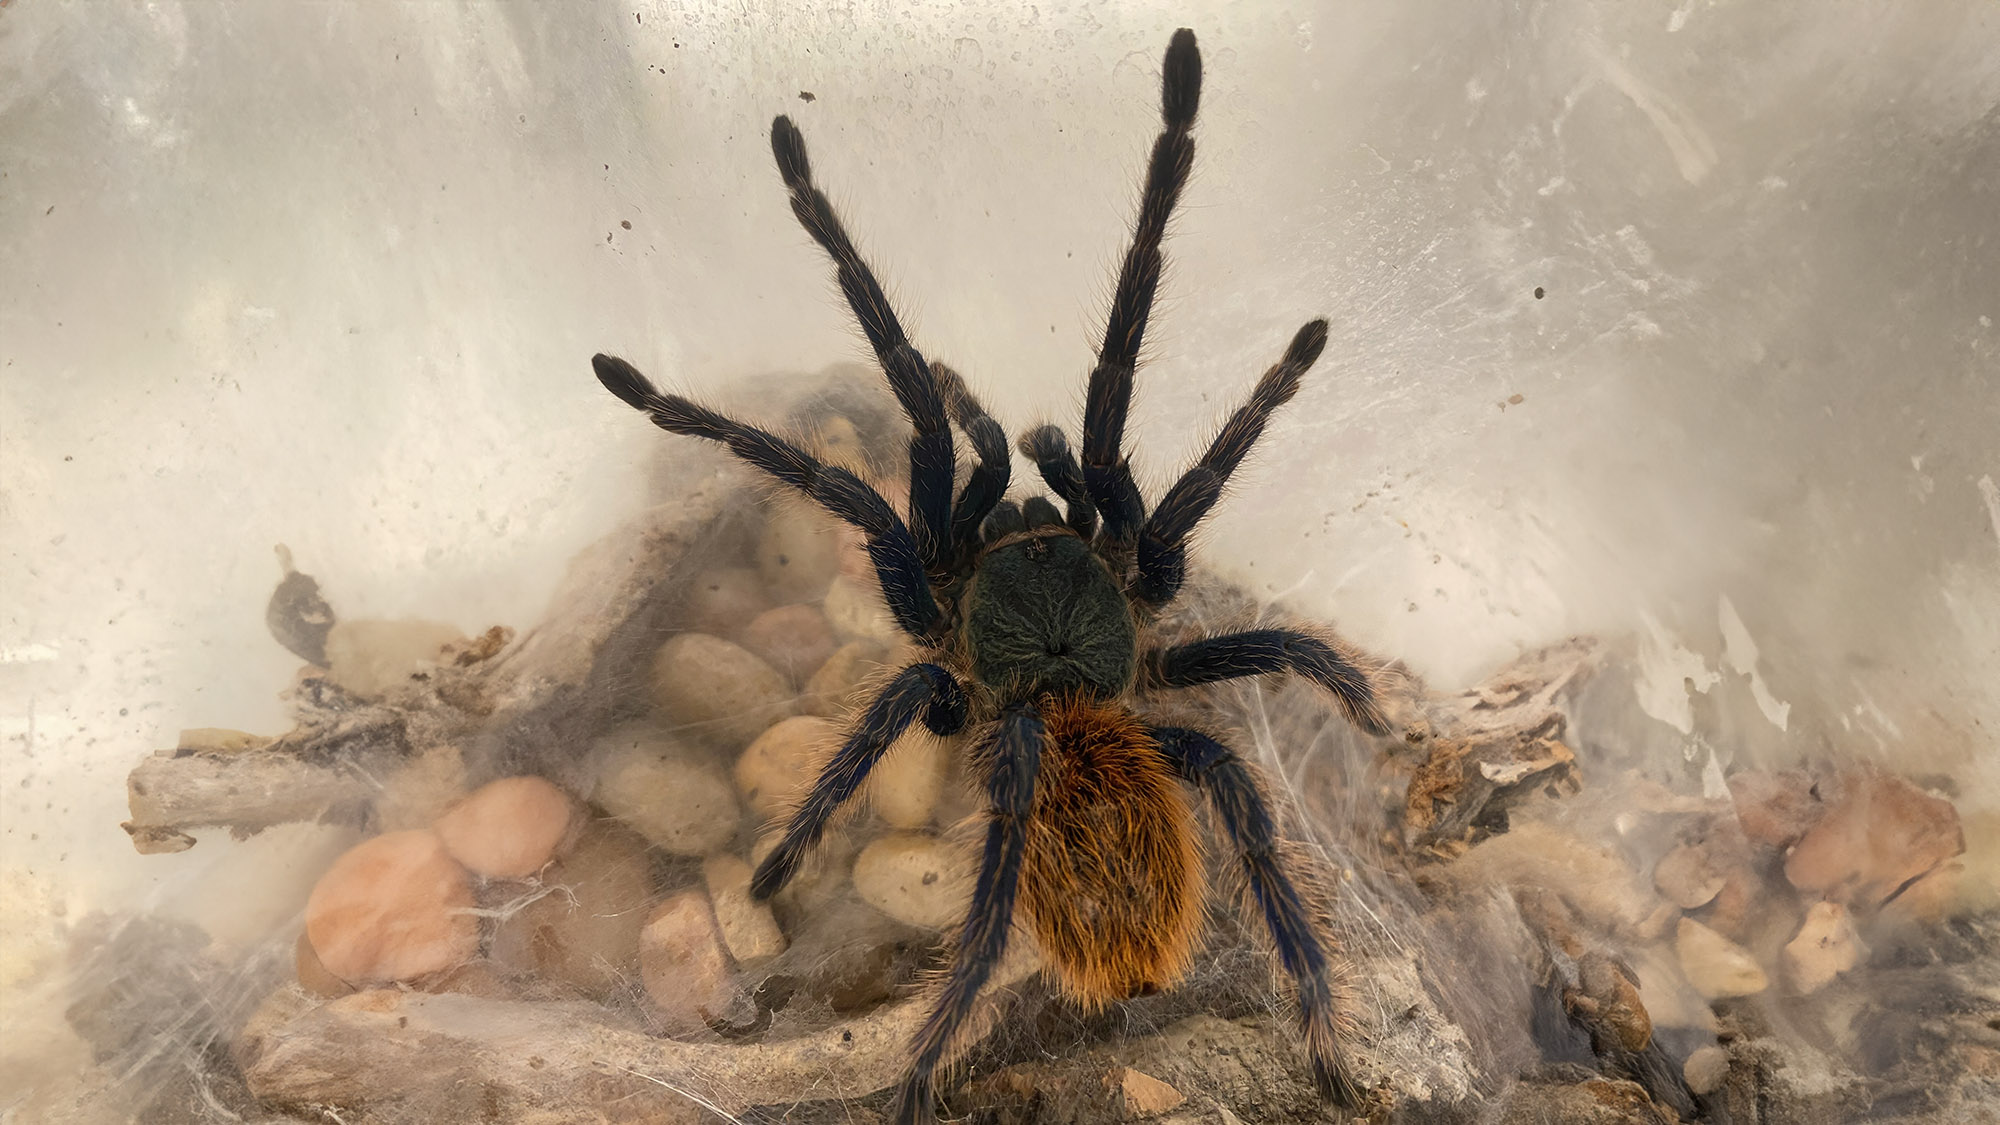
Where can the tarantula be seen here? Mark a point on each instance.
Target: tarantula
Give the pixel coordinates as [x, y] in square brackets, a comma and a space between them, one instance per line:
[1035, 621]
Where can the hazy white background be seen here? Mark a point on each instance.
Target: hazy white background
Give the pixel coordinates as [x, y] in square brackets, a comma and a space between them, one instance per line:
[330, 275]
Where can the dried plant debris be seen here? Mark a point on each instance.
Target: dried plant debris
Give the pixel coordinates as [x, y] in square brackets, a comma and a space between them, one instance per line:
[548, 909]
[1492, 746]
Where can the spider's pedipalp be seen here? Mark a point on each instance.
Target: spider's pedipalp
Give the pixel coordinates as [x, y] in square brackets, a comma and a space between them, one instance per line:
[1010, 788]
[992, 472]
[1239, 805]
[1163, 541]
[921, 690]
[1106, 475]
[1258, 652]
[898, 565]
[910, 377]
[1049, 450]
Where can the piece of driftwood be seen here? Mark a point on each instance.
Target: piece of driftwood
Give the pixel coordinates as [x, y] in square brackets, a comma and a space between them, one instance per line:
[388, 1045]
[331, 765]
[1493, 744]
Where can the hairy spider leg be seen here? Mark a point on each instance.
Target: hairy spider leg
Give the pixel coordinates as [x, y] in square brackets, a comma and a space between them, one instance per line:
[1106, 473]
[932, 467]
[898, 566]
[1049, 450]
[1010, 787]
[1259, 651]
[990, 475]
[1162, 561]
[925, 690]
[1233, 793]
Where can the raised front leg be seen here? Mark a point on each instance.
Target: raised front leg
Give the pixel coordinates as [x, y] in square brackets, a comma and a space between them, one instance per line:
[1106, 474]
[1163, 541]
[1017, 757]
[925, 690]
[1233, 793]
[898, 563]
[1261, 651]
[917, 387]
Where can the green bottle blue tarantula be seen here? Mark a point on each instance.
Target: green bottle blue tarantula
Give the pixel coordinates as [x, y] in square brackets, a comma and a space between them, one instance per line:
[1036, 621]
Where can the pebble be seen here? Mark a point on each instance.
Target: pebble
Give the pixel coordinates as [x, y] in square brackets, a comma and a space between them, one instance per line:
[836, 442]
[474, 978]
[776, 768]
[725, 599]
[1826, 946]
[1879, 833]
[794, 639]
[371, 659]
[914, 879]
[392, 908]
[1716, 966]
[313, 976]
[840, 685]
[684, 966]
[798, 553]
[1775, 808]
[1705, 1069]
[507, 829]
[749, 930]
[1139, 1094]
[583, 929]
[904, 786]
[1687, 878]
[678, 803]
[856, 610]
[718, 691]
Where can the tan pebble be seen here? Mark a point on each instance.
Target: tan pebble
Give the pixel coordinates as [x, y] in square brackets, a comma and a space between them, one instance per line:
[749, 931]
[683, 964]
[1775, 808]
[777, 767]
[392, 908]
[794, 639]
[680, 804]
[313, 976]
[372, 659]
[839, 686]
[508, 828]
[474, 978]
[716, 691]
[836, 442]
[1687, 878]
[582, 927]
[724, 600]
[1925, 901]
[1880, 833]
[1716, 966]
[1705, 1069]
[418, 792]
[798, 553]
[1140, 1094]
[855, 609]
[1825, 947]
[1669, 1000]
[913, 878]
[903, 788]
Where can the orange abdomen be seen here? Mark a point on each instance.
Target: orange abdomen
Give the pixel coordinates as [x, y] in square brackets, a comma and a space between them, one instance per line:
[1112, 881]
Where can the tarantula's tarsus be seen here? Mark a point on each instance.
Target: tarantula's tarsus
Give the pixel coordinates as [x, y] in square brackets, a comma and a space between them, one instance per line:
[1035, 620]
